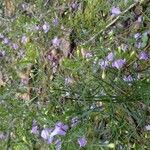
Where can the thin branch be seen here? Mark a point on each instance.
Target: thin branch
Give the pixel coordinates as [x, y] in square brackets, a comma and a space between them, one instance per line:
[110, 24]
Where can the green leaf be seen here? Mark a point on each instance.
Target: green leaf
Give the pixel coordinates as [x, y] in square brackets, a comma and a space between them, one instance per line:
[144, 40]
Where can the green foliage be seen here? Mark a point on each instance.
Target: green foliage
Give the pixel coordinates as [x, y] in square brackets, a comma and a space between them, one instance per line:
[112, 112]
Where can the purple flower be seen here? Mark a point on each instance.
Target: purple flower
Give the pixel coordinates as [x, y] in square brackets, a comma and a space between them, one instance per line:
[24, 6]
[46, 27]
[137, 36]
[118, 63]
[110, 56]
[24, 39]
[6, 41]
[15, 46]
[58, 144]
[74, 6]
[82, 141]
[74, 121]
[60, 129]
[55, 21]
[128, 78]
[139, 19]
[2, 136]
[2, 53]
[143, 56]
[115, 11]
[56, 42]
[147, 127]
[36, 27]
[88, 55]
[138, 44]
[1, 36]
[45, 134]
[69, 81]
[35, 129]
[103, 64]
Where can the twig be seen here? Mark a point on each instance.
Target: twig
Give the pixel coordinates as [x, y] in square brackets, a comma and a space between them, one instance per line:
[110, 24]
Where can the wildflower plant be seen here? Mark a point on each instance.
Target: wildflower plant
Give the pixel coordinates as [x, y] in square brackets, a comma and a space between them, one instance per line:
[75, 75]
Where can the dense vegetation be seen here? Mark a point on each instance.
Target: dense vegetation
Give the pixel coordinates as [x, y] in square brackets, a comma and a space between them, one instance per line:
[74, 74]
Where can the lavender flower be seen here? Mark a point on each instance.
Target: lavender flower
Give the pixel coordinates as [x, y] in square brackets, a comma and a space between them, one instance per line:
[24, 39]
[1, 36]
[88, 55]
[55, 21]
[128, 78]
[74, 121]
[60, 129]
[46, 27]
[34, 129]
[58, 144]
[118, 63]
[147, 127]
[138, 44]
[2, 136]
[82, 141]
[36, 27]
[56, 42]
[2, 53]
[143, 56]
[139, 19]
[137, 36]
[115, 11]
[110, 56]
[69, 80]
[24, 6]
[45, 134]
[6, 41]
[15, 46]
[103, 64]
[74, 6]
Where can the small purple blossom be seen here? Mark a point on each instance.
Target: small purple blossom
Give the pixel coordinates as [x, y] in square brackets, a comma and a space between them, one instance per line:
[115, 11]
[69, 80]
[60, 129]
[45, 134]
[36, 27]
[128, 78]
[119, 63]
[6, 41]
[24, 6]
[46, 27]
[56, 42]
[2, 136]
[74, 6]
[58, 144]
[82, 141]
[147, 127]
[2, 53]
[138, 44]
[139, 19]
[55, 21]
[35, 128]
[103, 64]
[74, 121]
[110, 56]
[88, 55]
[15, 46]
[137, 36]
[24, 39]
[1, 36]
[143, 56]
